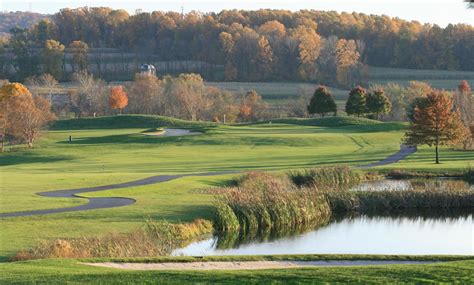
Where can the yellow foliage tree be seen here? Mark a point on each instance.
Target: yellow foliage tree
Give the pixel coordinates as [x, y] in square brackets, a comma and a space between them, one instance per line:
[8, 92]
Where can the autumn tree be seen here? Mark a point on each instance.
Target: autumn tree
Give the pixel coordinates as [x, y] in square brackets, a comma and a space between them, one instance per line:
[252, 107]
[346, 57]
[91, 96]
[435, 123]
[52, 57]
[322, 102]
[378, 103]
[79, 50]
[118, 98]
[44, 82]
[22, 115]
[309, 47]
[357, 102]
[145, 94]
[32, 114]
[8, 93]
[464, 103]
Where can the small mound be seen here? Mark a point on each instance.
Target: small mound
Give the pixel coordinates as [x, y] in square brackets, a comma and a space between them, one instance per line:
[353, 123]
[337, 121]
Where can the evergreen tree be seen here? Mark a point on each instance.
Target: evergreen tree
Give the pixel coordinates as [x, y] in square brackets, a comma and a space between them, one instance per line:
[378, 103]
[322, 102]
[357, 102]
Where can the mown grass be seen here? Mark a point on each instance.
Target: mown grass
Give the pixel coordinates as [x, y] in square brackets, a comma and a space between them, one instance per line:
[127, 122]
[110, 156]
[71, 271]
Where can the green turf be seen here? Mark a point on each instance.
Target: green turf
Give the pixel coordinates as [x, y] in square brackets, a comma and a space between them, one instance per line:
[72, 272]
[99, 155]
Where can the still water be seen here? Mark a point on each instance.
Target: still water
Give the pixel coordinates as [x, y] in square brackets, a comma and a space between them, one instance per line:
[363, 234]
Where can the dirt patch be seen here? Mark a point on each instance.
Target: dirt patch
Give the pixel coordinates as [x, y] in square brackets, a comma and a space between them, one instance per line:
[248, 265]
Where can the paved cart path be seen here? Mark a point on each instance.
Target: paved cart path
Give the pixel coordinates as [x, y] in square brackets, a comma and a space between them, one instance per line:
[111, 202]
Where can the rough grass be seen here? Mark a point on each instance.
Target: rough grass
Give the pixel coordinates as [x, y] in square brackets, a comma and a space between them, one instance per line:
[386, 201]
[338, 177]
[154, 238]
[269, 203]
[264, 202]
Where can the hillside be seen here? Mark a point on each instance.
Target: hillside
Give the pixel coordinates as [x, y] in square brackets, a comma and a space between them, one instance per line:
[18, 19]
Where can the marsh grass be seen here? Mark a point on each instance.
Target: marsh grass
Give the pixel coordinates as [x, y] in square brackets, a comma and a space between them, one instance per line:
[325, 178]
[262, 205]
[383, 201]
[155, 238]
[269, 203]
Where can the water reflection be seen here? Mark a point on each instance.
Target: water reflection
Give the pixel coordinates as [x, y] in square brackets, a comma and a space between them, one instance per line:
[428, 233]
[438, 184]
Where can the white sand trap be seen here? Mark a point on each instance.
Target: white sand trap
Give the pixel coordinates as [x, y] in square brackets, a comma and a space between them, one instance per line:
[247, 265]
[173, 133]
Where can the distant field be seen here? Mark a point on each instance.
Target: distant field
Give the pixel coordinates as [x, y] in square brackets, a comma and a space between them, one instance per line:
[385, 73]
[281, 93]
[277, 93]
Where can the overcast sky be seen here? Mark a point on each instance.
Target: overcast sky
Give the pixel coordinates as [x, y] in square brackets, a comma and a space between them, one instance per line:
[440, 12]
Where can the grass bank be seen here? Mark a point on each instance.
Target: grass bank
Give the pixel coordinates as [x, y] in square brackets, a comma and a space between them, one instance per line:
[154, 238]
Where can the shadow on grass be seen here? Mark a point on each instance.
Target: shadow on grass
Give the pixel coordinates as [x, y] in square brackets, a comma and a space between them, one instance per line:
[28, 157]
[209, 140]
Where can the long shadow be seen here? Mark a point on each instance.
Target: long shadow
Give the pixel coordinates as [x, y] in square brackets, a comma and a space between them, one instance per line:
[27, 157]
[189, 140]
[110, 202]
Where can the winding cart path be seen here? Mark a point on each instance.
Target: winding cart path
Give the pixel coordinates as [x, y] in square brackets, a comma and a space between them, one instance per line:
[112, 202]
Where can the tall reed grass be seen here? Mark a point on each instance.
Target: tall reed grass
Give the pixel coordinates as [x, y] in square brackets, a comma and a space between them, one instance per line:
[155, 238]
[263, 202]
[383, 201]
[325, 178]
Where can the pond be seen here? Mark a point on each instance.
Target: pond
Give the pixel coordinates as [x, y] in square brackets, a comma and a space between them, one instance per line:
[364, 234]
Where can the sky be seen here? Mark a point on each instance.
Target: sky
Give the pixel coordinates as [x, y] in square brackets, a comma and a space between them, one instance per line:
[441, 12]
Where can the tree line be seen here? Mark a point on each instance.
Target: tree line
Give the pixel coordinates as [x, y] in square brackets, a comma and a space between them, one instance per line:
[329, 47]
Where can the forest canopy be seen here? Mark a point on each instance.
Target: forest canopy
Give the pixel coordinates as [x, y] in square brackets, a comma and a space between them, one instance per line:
[308, 45]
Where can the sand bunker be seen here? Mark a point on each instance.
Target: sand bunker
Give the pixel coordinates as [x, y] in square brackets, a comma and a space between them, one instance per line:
[172, 133]
[247, 265]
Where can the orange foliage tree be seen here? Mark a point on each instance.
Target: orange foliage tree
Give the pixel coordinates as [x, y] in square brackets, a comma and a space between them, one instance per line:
[7, 94]
[118, 98]
[435, 122]
[22, 115]
[252, 107]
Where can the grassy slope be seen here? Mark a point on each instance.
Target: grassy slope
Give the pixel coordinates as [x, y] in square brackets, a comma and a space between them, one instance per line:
[101, 156]
[64, 271]
[104, 156]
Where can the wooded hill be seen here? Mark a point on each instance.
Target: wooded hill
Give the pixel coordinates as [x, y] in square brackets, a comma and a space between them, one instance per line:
[328, 47]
